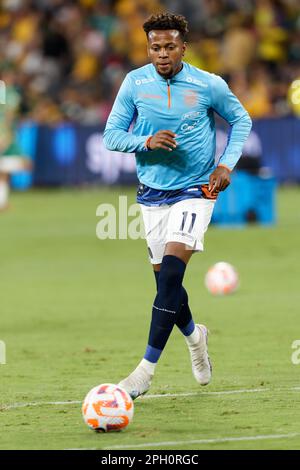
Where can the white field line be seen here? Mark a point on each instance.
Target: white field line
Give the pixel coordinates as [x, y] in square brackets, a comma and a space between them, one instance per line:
[145, 397]
[37, 403]
[206, 441]
[218, 440]
[191, 394]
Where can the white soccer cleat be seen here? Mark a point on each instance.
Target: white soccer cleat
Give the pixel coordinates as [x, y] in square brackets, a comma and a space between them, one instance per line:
[201, 365]
[137, 383]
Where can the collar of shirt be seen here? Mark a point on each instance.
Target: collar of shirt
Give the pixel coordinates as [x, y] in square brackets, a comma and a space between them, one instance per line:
[175, 77]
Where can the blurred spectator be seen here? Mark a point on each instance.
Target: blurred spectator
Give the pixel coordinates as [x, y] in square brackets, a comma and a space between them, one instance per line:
[9, 112]
[66, 58]
[254, 90]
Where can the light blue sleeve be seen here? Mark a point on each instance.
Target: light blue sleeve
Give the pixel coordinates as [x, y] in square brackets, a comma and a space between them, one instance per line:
[226, 104]
[116, 136]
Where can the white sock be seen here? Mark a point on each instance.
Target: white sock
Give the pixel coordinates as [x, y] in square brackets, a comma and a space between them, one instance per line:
[148, 366]
[193, 338]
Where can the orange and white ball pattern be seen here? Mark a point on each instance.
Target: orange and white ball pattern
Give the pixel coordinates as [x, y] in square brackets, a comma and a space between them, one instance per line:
[221, 279]
[107, 407]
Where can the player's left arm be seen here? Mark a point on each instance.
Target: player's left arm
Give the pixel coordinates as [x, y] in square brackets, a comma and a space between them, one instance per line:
[226, 104]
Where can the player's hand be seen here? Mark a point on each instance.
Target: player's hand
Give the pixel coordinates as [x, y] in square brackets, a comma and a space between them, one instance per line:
[219, 180]
[163, 140]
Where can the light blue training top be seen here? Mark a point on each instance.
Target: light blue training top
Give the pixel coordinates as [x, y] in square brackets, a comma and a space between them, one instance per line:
[184, 104]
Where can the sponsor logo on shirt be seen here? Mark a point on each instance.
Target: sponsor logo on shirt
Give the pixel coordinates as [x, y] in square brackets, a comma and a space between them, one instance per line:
[191, 120]
[190, 115]
[144, 81]
[189, 127]
[196, 82]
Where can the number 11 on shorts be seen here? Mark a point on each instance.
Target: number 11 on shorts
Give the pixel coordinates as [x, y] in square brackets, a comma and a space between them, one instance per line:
[184, 217]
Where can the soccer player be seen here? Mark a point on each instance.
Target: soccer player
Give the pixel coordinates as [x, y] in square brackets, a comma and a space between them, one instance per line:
[170, 105]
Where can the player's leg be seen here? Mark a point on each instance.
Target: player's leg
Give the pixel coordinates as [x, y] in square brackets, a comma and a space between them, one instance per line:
[155, 224]
[166, 306]
[184, 319]
[183, 253]
[168, 299]
[174, 257]
[167, 303]
[195, 335]
[188, 223]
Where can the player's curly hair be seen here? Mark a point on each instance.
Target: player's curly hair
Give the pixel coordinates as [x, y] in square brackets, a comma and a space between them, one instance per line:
[166, 21]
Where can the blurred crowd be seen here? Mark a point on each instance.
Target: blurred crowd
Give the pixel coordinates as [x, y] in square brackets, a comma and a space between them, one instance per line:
[64, 60]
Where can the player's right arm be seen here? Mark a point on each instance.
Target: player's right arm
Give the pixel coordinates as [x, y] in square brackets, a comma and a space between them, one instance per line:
[116, 136]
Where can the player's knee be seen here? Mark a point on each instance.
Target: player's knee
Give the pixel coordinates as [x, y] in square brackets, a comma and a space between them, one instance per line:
[171, 275]
[168, 280]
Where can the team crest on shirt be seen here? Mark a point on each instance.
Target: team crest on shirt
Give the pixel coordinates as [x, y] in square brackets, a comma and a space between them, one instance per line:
[190, 98]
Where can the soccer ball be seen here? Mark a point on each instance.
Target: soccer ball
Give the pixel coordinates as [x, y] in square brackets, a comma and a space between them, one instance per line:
[107, 407]
[221, 279]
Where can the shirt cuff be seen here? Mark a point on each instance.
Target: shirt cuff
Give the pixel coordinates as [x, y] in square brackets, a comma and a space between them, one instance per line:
[147, 142]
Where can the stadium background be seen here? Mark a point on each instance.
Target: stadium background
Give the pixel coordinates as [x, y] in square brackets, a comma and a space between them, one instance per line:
[62, 63]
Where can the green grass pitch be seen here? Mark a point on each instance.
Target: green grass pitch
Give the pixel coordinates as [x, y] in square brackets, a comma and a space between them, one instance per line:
[75, 313]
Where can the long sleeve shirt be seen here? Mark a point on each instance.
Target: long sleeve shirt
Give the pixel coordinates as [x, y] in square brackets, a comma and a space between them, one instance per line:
[184, 104]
